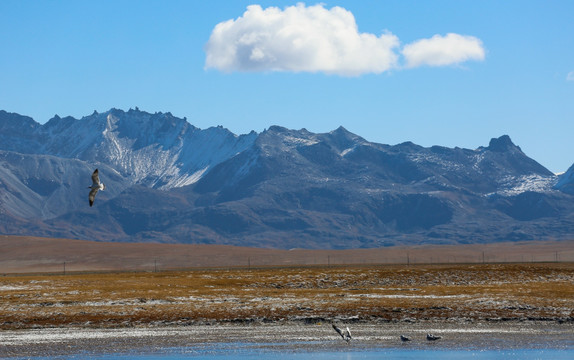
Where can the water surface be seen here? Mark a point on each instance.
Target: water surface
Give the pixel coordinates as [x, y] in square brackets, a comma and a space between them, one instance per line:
[295, 341]
[241, 352]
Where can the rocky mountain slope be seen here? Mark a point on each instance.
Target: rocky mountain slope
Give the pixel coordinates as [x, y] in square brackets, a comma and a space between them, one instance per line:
[168, 181]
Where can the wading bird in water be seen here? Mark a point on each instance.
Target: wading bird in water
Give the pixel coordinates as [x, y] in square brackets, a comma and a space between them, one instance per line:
[96, 185]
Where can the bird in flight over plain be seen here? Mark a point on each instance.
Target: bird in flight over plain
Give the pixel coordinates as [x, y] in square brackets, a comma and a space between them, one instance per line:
[96, 185]
[346, 335]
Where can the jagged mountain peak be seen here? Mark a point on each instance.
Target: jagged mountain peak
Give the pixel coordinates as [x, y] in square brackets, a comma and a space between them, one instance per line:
[16, 123]
[344, 138]
[136, 117]
[502, 144]
[16, 132]
[57, 123]
[342, 130]
[276, 129]
[407, 146]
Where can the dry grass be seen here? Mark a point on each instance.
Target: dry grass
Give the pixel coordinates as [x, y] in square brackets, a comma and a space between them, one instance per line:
[21, 254]
[539, 291]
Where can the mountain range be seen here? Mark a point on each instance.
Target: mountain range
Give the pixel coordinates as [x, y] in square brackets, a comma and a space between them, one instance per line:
[169, 181]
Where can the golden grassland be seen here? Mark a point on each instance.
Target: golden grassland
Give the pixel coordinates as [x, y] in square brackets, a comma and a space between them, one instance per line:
[447, 292]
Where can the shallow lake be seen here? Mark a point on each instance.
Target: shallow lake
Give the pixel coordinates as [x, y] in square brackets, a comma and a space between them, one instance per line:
[252, 351]
[294, 341]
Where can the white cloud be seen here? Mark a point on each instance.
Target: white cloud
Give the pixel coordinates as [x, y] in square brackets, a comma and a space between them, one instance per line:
[299, 38]
[315, 39]
[570, 76]
[443, 50]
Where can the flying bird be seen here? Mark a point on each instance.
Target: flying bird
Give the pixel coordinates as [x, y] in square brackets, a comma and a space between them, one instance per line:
[346, 335]
[431, 337]
[96, 185]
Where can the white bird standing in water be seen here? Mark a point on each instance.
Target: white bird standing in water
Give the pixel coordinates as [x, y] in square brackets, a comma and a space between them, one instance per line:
[345, 335]
[96, 185]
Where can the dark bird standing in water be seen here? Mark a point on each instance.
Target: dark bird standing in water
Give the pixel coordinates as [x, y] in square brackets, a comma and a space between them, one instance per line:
[431, 337]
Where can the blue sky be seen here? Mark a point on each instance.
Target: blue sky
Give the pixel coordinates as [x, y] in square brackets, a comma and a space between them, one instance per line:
[397, 75]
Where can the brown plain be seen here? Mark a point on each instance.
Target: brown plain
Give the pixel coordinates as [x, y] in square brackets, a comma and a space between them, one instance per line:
[54, 282]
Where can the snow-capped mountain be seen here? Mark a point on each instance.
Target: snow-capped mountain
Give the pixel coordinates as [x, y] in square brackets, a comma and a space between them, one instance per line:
[156, 150]
[167, 180]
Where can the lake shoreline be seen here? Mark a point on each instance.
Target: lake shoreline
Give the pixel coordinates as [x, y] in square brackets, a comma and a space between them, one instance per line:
[478, 306]
[285, 337]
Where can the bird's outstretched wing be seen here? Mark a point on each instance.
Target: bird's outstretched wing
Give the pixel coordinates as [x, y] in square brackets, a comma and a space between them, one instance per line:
[95, 179]
[339, 331]
[92, 196]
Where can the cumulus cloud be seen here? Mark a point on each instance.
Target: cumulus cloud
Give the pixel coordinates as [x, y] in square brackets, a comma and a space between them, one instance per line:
[443, 50]
[570, 76]
[315, 39]
[299, 38]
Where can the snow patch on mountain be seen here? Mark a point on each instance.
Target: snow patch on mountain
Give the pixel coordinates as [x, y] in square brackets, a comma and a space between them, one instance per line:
[346, 151]
[298, 141]
[436, 160]
[186, 180]
[514, 185]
